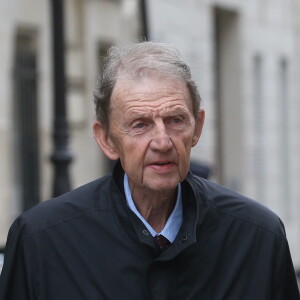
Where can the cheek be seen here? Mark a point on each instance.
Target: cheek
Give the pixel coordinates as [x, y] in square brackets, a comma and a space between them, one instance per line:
[133, 154]
[183, 148]
[183, 144]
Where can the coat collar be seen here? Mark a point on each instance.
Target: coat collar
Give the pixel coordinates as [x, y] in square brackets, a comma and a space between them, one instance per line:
[195, 211]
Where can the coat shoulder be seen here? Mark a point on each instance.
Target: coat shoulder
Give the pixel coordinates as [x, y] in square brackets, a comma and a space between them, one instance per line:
[239, 207]
[86, 199]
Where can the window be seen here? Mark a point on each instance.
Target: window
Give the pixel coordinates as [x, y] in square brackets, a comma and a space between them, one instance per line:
[284, 140]
[259, 129]
[101, 53]
[26, 116]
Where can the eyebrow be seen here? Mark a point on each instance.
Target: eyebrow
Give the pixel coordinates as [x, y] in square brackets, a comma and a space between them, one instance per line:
[137, 114]
[148, 114]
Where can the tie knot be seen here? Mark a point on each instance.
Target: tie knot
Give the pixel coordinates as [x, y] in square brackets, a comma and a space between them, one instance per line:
[162, 242]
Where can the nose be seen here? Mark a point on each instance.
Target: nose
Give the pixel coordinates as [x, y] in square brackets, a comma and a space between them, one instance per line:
[160, 139]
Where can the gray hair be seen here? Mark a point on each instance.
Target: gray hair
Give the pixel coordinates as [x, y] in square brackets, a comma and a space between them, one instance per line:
[137, 61]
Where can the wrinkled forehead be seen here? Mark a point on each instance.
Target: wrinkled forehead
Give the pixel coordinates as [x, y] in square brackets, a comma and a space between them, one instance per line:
[148, 89]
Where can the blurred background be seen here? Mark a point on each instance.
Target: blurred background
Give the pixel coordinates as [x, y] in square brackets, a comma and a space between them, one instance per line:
[244, 56]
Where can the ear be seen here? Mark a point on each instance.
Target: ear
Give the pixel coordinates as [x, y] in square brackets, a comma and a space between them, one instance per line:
[104, 141]
[198, 127]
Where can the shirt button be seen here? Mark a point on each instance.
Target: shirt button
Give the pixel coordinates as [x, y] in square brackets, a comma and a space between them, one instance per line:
[184, 239]
[145, 232]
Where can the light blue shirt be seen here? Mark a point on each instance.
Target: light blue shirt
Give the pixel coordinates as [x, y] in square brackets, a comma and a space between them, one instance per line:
[174, 222]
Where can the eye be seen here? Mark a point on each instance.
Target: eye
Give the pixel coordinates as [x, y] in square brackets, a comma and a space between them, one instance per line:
[139, 125]
[176, 120]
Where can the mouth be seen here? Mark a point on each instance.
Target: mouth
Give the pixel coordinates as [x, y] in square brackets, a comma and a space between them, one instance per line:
[162, 165]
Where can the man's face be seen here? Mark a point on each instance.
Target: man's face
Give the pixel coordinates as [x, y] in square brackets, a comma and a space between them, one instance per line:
[152, 130]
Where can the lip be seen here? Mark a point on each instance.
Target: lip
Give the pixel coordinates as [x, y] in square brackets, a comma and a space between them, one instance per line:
[160, 166]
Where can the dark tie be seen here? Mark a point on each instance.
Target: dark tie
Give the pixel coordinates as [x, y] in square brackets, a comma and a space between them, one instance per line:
[162, 242]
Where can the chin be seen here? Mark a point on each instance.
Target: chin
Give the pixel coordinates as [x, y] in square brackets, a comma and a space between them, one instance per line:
[160, 186]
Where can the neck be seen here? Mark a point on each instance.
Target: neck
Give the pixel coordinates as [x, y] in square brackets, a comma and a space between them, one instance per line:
[154, 206]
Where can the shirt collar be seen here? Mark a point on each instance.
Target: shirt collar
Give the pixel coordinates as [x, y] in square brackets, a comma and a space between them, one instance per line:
[174, 221]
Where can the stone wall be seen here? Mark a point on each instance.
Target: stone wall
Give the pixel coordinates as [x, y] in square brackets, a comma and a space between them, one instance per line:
[88, 26]
[245, 58]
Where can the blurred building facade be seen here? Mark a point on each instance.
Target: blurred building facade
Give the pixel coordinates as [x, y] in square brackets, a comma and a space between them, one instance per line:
[26, 93]
[244, 56]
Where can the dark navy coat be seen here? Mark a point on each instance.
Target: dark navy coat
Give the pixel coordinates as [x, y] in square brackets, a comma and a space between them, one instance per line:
[88, 245]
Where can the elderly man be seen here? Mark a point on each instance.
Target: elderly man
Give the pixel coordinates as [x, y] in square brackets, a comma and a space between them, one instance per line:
[151, 230]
